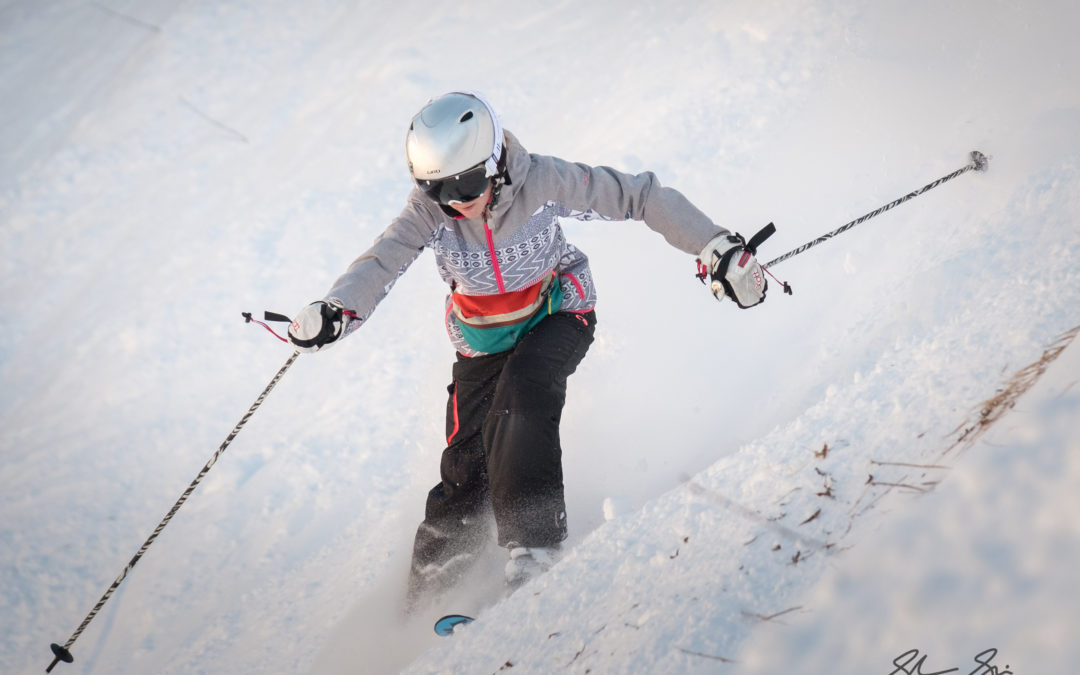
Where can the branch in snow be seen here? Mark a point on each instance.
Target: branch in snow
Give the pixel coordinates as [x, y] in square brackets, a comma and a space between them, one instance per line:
[127, 17]
[749, 514]
[224, 127]
[899, 485]
[814, 515]
[914, 466]
[770, 617]
[721, 659]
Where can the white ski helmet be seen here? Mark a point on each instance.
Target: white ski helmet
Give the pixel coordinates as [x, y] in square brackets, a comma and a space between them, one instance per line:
[452, 134]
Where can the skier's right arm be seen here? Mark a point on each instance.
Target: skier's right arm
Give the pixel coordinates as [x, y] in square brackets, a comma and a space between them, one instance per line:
[354, 295]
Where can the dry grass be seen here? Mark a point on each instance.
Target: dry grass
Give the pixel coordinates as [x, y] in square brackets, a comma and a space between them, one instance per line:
[992, 409]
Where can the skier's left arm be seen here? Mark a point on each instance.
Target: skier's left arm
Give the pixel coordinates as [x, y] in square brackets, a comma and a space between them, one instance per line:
[722, 256]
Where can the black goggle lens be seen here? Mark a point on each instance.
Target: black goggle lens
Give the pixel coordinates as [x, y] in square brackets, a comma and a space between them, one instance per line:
[464, 187]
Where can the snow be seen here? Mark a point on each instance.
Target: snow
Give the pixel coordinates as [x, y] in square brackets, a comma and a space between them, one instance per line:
[739, 489]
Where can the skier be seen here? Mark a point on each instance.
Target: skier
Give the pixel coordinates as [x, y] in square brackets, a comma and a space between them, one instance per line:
[520, 314]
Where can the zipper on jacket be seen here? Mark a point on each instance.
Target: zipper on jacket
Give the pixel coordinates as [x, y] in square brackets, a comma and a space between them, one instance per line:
[491, 250]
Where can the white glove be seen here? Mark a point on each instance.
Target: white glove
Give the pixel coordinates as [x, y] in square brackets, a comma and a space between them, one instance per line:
[733, 270]
[319, 325]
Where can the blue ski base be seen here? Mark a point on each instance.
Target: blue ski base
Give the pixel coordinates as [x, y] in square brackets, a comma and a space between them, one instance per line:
[445, 626]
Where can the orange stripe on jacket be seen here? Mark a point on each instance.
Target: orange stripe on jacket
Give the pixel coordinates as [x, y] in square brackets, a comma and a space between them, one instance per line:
[504, 307]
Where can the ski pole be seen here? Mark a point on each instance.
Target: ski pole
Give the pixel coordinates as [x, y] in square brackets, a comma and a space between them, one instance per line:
[978, 162]
[63, 653]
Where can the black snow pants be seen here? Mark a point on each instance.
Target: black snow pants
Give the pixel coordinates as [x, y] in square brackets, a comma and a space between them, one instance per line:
[503, 455]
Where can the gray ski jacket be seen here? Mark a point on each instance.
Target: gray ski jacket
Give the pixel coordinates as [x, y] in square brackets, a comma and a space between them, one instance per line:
[521, 243]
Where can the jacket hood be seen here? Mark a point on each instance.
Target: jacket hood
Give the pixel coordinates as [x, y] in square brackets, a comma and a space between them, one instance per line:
[517, 165]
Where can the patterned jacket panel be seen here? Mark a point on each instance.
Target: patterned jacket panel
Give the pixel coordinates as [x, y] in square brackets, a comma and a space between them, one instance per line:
[524, 233]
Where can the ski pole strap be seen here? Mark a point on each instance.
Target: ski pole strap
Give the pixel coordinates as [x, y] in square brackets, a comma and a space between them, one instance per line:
[268, 316]
[759, 238]
[274, 316]
[786, 285]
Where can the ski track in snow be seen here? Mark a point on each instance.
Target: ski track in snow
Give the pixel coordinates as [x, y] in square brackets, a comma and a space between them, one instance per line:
[166, 165]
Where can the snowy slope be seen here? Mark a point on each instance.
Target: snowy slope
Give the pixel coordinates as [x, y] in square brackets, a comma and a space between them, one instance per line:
[166, 165]
[984, 562]
[742, 549]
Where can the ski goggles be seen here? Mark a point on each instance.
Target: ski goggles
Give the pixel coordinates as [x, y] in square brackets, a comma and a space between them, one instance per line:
[464, 187]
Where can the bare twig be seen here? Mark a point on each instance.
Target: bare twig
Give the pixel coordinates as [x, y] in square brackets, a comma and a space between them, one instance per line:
[224, 127]
[754, 516]
[127, 17]
[721, 659]
[581, 651]
[915, 466]
[814, 515]
[900, 485]
[770, 617]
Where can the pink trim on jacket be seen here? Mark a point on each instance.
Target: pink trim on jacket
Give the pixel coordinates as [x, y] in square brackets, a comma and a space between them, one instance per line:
[577, 285]
[494, 258]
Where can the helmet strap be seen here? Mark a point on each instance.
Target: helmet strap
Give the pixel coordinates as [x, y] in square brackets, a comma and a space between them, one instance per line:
[492, 198]
[502, 177]
[503, 174]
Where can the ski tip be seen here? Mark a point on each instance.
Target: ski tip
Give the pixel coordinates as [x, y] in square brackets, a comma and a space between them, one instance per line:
[980, 160]
[446, 625]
